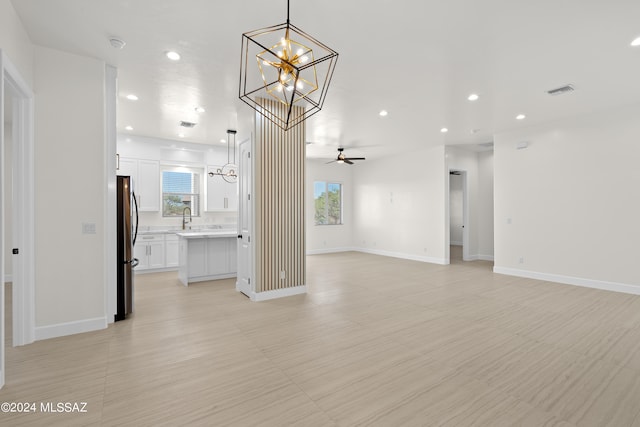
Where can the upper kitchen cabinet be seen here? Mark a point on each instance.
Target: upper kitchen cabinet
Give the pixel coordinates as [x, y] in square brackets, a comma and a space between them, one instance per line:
[221, 195]
[148, 185]
[146, 181]
[127, 167]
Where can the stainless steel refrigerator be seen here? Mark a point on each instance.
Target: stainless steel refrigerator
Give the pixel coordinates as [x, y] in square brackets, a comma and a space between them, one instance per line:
[127, 212]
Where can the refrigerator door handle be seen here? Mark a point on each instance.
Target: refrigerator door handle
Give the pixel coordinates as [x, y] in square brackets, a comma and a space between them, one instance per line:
[135, 234]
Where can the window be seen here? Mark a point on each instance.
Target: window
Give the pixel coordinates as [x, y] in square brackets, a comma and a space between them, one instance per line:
[328, 203]
[180, 190]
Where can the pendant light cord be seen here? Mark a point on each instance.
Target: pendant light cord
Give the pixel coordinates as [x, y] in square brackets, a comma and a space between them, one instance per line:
[287, 11]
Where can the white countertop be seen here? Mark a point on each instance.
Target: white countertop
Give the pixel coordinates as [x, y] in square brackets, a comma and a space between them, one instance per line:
[194, 228]
[208, 234]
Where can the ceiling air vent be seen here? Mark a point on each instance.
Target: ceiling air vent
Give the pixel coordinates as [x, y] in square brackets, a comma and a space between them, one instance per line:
[187, 124]
[561, 90]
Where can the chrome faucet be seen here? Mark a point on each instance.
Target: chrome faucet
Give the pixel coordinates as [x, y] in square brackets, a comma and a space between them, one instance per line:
[184, 221]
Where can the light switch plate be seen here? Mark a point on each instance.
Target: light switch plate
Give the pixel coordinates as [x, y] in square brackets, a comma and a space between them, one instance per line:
[88, 228]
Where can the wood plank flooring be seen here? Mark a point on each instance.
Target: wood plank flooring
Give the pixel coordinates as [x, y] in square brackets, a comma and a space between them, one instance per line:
[376, 341]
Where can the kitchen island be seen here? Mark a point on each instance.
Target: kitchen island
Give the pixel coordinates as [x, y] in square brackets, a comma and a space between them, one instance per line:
[206, 255]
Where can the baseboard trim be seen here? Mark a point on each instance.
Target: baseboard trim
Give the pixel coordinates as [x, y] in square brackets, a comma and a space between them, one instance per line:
[278, 293]
[401, 255]
[155, 270]
[480, 258]
[568, 280]
[70, 328]
[329, 251]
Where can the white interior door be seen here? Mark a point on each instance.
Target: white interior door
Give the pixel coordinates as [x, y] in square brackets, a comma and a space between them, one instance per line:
[22, 223]
[245, 220]
[2, 230]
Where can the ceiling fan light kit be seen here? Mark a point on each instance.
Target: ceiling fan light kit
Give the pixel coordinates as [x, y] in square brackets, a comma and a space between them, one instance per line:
[341, 158]
[285, 64]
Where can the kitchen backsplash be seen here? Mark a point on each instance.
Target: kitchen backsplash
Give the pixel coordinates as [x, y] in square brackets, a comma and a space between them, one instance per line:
[154, 220]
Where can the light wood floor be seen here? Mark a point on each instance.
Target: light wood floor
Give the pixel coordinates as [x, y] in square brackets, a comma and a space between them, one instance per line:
[376, 341]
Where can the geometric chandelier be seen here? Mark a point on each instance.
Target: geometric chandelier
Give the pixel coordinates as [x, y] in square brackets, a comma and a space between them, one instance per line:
[285, 64]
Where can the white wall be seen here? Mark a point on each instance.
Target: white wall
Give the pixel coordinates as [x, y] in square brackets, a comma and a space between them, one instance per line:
[399, 205]
[15, 42]
[183, 153]
[456, 205]
[70, 190]
[8, 206]
[572, 200]
[330, 238]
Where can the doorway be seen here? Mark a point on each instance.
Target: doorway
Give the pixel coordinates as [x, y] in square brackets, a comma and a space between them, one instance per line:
[16, 109]
[458, 217]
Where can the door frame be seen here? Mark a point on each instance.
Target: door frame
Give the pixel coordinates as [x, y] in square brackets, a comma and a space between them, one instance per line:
[23, 221]
[246, 175]
[110, 254]
[465, 215]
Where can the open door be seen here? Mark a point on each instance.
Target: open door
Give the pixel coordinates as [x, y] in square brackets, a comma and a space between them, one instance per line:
[22, 206]
[245, 220]
[458, 216]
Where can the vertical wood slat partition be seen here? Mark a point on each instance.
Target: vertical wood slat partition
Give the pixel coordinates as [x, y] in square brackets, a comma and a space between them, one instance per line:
[279, 202]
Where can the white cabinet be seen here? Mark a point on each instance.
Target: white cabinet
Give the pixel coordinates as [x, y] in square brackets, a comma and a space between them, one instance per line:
[207, 259]
[221, 195]
[217, 256]
[149, 250]
[141, 252]
[171, 258]
[146, 181]
[128, 167]
[148, 187]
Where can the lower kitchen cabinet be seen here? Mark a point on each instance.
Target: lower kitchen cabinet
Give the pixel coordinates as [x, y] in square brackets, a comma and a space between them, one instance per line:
[156, 252]
[171, 251]
[207, 259]
[149, 249]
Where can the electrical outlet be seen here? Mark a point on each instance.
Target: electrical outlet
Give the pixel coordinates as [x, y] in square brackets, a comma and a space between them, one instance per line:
[282, 275]
[88, 228]
[521, 260]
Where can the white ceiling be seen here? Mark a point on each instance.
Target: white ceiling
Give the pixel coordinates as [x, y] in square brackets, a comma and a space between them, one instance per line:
[419, 60]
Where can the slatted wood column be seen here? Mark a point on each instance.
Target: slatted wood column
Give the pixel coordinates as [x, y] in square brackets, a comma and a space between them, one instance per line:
[279, 203]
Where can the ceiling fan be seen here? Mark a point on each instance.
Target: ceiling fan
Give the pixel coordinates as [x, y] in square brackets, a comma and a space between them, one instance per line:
[342, 159]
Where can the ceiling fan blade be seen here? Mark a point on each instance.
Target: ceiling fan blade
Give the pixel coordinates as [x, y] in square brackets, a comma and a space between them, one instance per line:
[355, 158]
[348, 161]
[332, 161]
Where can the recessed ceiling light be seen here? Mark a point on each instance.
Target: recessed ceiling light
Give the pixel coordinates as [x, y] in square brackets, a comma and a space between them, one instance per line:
[132, 97]
[199, 110]
[384, 113]
[223, 141]
[174, 56]
[444, 130]
[636, 42]
[181, 135]
[473, 97]
[520, 117]
[129, 128]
